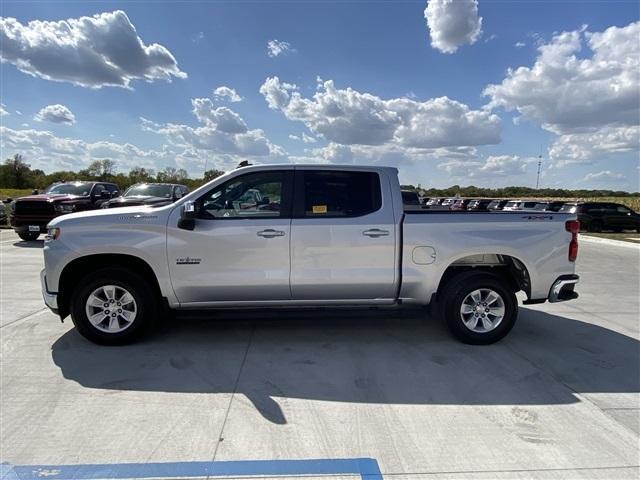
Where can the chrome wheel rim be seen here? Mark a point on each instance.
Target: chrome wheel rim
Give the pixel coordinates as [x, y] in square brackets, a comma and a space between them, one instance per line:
[482, 310]
[111, 309]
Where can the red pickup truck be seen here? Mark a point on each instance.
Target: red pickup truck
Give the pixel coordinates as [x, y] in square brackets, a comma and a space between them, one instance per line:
[29, 215]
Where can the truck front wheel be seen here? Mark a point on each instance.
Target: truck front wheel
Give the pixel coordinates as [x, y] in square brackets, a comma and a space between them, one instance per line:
[479, 308]
[112, 306]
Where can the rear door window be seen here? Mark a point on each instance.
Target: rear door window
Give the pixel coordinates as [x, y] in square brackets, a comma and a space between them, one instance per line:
[325, 193]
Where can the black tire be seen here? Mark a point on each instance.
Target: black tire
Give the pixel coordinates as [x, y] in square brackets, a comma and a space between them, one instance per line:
[595, 226]
[29, 236]
[146, 301]
[455, 292]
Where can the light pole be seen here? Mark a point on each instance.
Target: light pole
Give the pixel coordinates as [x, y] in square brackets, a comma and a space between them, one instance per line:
[538, 177]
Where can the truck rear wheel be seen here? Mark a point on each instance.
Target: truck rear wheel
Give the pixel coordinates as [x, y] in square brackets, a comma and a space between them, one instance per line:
[479, 308]
[113, 306]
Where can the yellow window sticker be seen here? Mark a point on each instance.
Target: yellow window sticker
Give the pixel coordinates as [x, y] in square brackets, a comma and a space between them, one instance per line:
[319, 209]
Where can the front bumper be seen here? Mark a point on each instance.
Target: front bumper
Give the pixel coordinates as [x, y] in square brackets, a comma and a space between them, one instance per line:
[50, 299]
[563, 289]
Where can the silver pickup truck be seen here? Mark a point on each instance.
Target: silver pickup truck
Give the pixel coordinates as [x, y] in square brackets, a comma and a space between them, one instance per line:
[304, 236]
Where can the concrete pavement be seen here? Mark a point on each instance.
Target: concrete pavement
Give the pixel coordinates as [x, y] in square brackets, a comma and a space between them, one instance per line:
[558, 398]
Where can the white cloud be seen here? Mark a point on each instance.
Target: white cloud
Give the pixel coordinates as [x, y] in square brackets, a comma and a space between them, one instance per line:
[519, 44]
[453, 23]
[44, 150]
[221, 131]
[349, 117]
[3, 112]
[308, 138]
[591, 101]
[98, 51]
[589, 146]
[55, 114]
[276, 48]
[604, 176]
[222, 119]
[226, 93]
[491, 167]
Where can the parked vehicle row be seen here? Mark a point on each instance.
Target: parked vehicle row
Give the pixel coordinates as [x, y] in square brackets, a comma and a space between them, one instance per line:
[30, 215]
[593, 216]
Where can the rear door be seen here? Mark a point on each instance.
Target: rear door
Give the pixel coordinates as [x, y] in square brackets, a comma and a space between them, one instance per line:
[342, 236]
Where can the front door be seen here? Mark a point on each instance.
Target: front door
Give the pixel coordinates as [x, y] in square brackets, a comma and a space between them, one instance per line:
[239, 248]
[343, 240]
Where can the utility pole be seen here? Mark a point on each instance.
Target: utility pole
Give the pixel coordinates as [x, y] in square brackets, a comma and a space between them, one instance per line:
[538, 177]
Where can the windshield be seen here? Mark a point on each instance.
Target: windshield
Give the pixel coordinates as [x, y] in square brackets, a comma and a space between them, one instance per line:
[81, 189]
[149, 190]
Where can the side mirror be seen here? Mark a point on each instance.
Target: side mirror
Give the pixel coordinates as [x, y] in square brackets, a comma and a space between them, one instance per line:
[188, 217]
[35, 191]
[115, 194]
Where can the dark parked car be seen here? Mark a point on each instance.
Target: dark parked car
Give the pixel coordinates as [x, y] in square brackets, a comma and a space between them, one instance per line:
[551, 206]
[479, 204]
[154, 194]
[29, 215]
[460, 204]
[496, 205]
[599, 216]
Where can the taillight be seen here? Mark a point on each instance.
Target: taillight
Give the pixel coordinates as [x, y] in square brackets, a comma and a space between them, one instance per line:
[573, 227]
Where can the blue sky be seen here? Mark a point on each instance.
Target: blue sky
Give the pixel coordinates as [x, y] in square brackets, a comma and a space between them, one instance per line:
[374, 55]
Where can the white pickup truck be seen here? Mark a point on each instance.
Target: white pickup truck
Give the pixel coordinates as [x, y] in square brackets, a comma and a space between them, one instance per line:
[303, 236]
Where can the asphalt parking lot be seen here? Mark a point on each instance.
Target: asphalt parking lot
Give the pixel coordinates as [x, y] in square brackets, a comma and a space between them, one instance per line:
[558, 398]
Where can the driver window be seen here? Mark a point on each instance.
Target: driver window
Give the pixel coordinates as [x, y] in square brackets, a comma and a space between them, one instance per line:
[248, 196]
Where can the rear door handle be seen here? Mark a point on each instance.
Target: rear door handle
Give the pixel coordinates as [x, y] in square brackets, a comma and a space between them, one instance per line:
[375, 233]
[270, 233]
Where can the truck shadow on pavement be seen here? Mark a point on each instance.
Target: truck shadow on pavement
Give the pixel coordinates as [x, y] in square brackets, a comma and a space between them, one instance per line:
[29, 243]
[370, 358]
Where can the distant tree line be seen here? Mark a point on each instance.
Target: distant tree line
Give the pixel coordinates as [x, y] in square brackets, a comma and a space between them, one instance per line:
[16, 173]
[511, 192]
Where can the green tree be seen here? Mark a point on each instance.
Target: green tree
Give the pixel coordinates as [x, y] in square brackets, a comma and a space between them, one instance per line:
[15, 173]
[102, 170]
[211, 174]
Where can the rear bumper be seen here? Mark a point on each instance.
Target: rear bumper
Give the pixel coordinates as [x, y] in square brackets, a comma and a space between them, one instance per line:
[50, 299]
[563, 289]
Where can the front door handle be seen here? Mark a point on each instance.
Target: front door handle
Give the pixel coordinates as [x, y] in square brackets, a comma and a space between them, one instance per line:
[270, 233]
[375, 233]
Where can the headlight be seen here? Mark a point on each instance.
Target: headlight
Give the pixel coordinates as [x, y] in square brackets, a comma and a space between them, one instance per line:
[53, 233]
[63, 208]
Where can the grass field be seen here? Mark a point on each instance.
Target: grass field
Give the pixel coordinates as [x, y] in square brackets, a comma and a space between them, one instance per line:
[14, 193]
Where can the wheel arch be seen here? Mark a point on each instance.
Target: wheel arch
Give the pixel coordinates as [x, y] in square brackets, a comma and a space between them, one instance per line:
[79, 267]
[508, 267]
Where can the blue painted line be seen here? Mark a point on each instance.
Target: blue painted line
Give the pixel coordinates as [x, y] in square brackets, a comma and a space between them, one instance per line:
[367, 468]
